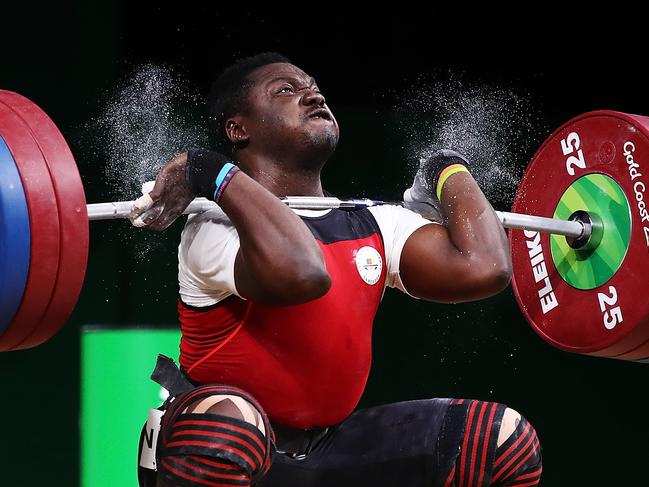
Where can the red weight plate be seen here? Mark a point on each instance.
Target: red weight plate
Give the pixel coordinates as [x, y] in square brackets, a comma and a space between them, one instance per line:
[44, 228]
[611, 318]
[73, 216]
[642, 351]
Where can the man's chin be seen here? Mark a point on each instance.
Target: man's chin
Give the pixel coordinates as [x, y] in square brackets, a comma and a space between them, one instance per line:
[325, 139]
[309, 147]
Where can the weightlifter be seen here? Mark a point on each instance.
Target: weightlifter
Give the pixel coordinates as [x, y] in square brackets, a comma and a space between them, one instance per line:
[276, 308]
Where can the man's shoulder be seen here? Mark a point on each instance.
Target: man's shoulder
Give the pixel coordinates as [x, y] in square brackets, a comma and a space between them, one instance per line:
[391, 213]
[210, 226]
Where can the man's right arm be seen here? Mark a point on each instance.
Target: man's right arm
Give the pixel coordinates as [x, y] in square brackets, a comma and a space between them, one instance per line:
[279, 261]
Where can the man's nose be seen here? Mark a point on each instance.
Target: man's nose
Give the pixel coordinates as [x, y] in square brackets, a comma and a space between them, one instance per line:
[312, 97]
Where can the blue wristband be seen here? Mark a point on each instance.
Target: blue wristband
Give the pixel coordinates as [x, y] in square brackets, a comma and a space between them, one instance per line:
[208, 172]
[223, 179]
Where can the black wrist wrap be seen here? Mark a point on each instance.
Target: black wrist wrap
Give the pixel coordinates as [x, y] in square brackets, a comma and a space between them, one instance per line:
[203, 167]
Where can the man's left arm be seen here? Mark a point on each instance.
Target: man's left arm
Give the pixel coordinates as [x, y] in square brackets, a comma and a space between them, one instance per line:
[465, 260]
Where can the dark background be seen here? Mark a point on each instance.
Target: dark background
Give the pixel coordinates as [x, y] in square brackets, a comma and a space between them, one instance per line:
[588, 412]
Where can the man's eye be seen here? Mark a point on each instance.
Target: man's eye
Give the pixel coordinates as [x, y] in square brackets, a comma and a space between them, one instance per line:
[286, 89]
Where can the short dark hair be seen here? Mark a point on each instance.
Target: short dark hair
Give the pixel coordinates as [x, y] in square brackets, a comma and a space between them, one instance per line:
[229, 93]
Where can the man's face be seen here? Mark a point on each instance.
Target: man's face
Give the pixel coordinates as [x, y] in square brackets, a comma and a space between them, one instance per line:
[286, 111]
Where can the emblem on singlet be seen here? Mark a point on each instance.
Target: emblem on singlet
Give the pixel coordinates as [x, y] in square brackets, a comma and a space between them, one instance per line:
[369, 264]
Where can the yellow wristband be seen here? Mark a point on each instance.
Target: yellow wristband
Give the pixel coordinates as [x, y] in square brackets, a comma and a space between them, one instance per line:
[447, 173]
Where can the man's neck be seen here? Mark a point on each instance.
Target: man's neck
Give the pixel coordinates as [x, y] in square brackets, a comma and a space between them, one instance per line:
[284, 181]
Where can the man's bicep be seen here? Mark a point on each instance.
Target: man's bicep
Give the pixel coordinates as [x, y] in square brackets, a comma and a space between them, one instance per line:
[247, 285]
[432, 268]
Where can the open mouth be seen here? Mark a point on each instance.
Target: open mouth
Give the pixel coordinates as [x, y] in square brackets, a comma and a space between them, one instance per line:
[320, 113]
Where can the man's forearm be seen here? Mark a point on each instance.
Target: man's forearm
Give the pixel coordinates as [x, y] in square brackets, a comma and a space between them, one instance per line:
[473, 225]
[280, 261]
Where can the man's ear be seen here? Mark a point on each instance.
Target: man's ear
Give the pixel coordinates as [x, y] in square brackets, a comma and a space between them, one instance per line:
[236, 131]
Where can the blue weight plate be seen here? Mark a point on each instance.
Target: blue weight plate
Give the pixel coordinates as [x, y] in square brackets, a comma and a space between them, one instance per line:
[73, 219]
[14, 238]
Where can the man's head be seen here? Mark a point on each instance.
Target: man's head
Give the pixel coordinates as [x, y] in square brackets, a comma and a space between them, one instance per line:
[266, 106]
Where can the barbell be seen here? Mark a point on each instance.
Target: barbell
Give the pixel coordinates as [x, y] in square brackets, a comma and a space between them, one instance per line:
[579, 262]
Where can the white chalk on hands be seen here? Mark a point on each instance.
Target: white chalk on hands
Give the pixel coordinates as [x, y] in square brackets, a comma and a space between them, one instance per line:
[147, 186]
[144, 202]
[138, 222]
[147, 217]
[140, 207]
